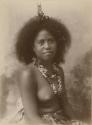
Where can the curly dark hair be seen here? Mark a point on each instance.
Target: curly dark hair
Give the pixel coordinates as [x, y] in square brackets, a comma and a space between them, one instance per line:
[26, 37]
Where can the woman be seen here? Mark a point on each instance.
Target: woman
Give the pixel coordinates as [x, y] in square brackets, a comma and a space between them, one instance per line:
[41, 45]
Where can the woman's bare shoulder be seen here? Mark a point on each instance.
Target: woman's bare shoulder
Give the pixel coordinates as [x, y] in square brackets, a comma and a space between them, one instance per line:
[27, 74]
[27, 70]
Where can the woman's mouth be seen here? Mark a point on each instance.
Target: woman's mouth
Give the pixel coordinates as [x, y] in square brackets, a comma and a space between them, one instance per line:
[48, 52]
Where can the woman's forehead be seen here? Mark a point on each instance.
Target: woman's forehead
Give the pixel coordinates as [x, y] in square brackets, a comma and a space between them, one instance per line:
[44, 34]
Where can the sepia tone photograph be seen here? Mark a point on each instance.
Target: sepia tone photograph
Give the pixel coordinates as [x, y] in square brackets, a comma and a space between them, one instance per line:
[45, 62]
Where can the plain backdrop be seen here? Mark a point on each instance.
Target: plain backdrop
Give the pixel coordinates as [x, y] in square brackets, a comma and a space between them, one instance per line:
[75, 14]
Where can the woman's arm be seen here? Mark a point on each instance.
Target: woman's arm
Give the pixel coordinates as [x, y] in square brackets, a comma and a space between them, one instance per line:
[64, 100]
[28, 94]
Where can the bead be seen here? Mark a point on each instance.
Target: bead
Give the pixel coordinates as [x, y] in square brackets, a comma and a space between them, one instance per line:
[56, 88]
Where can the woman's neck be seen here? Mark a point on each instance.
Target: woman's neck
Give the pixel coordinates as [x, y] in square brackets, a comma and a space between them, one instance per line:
[47, 64]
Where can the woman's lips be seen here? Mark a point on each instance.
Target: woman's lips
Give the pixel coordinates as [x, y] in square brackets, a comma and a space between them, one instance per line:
[48, 53]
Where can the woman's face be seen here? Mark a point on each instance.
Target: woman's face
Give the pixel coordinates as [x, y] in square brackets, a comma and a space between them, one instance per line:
[45, 46]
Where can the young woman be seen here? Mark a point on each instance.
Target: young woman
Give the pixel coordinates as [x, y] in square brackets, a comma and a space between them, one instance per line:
[41, 45]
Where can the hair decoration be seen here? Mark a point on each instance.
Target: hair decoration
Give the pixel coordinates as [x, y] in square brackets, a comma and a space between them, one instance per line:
[41, 14]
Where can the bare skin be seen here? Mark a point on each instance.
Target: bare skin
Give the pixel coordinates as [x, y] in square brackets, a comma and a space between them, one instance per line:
[34, 88]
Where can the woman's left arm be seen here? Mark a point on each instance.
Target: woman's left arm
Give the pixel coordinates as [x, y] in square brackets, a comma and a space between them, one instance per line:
[64, 99]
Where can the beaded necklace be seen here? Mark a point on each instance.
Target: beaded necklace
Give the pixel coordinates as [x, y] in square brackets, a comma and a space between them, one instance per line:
[55, 86]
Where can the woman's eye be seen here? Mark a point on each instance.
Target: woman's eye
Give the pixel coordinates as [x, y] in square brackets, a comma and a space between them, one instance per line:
[41, 42]
[51, 40]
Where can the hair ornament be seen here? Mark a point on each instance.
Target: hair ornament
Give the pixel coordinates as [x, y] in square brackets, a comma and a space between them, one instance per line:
[41, 14]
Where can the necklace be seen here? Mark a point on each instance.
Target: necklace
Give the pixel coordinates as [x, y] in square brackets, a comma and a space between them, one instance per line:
[51, 77]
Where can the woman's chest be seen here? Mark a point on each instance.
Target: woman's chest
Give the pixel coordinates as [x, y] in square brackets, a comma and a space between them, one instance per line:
[44, 90]
[47, 88]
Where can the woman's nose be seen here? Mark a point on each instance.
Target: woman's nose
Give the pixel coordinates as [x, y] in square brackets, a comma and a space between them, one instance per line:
[46, 45]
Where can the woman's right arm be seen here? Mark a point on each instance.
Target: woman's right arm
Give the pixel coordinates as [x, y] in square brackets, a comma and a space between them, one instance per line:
[28, 93]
